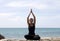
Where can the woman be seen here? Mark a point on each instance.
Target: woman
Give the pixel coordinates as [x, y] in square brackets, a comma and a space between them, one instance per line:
[31, 27]
[31, 24]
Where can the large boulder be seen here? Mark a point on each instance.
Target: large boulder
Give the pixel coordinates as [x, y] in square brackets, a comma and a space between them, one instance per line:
[1, 37]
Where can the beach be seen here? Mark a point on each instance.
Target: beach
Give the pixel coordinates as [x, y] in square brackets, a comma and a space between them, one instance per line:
[17, 34]
[42, 39]
[20, 32]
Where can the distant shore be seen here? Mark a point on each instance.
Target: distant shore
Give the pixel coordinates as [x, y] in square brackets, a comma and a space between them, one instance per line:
[42, 39]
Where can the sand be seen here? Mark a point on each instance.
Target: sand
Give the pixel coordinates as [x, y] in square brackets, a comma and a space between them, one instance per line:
[42, 39]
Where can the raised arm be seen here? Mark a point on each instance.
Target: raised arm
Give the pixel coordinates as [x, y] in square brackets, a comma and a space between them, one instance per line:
[34, 17]
[28, 18]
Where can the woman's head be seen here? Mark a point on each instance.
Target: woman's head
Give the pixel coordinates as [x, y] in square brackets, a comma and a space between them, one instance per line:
[31, 20]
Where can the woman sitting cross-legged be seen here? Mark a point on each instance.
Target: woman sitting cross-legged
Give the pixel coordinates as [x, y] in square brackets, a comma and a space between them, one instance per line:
[31, 27]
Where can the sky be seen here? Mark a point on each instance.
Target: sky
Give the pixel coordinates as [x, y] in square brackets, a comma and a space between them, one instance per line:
[13, 13]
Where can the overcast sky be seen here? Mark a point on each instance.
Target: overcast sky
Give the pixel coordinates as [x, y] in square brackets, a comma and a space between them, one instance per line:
[13, 13]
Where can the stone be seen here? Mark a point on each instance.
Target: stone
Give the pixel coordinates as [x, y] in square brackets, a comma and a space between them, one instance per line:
[1, 37]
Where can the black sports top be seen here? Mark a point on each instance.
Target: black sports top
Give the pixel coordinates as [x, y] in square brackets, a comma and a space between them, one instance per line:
[32, 29]
[32, 26]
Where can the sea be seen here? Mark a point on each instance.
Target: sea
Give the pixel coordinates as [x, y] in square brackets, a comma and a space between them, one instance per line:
[20, 32]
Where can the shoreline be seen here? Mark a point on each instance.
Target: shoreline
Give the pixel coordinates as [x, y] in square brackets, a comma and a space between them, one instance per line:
[42, 39]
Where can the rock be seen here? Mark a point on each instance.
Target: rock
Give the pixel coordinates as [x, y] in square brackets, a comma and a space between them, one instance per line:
[1, 37]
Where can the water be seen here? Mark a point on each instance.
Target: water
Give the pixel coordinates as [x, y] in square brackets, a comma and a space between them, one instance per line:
[20, 32]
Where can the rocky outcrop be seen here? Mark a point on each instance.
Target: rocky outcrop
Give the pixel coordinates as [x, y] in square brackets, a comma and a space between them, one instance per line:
[2, 37]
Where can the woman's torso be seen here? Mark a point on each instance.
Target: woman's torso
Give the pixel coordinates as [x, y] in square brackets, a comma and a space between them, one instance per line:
[32, 25]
